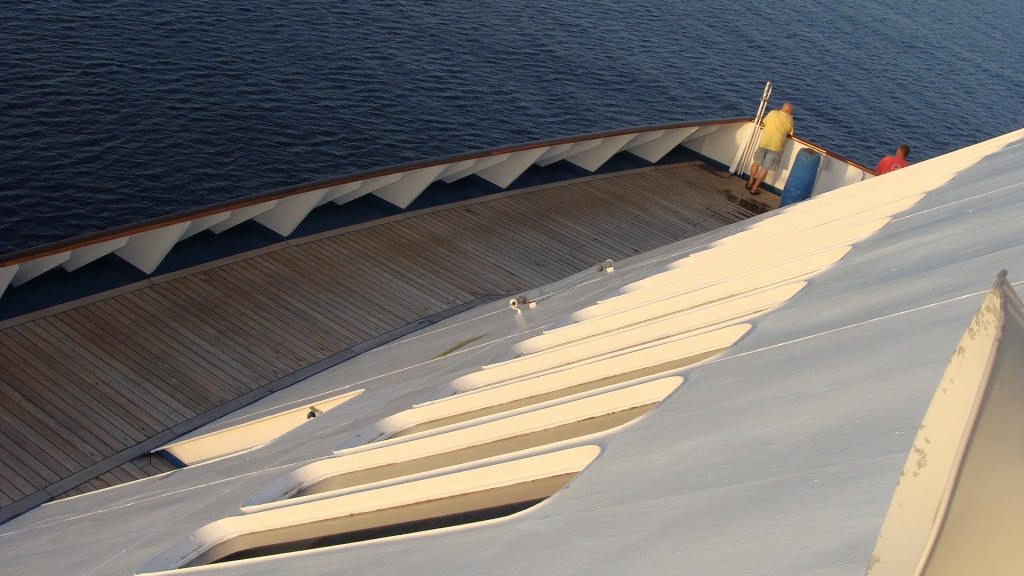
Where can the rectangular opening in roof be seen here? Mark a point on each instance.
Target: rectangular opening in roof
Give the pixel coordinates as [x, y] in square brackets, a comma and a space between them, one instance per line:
[478, 452]
[420, 517]
[670, 366]
[416, 505]
[473, 443]
[249, 435]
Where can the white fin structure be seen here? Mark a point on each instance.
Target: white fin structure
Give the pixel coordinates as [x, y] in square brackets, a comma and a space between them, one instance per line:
[147, 250]
[290, 211]
[368, 186]
[29, 270]
[82, 256]
[958, 505]
[655, 149]
[6, 273]
[563, 151]
[594, 158]
[471, 167]
[409, 187]
[335, 192]
[239, 215]
[505, 173]
[205, 223]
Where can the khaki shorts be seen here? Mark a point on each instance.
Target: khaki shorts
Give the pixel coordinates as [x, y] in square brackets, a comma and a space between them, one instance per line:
[767, 159]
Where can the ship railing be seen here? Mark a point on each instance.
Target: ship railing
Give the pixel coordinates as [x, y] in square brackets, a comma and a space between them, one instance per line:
[834, 171]
[145, 244]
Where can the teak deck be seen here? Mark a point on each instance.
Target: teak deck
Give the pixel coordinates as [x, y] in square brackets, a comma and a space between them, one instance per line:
[87, 389]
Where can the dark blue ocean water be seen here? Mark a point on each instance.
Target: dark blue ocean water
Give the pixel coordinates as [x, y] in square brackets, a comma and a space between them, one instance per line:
[118, 111]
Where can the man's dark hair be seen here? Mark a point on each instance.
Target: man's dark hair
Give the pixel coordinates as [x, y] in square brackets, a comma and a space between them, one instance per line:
[905, 149]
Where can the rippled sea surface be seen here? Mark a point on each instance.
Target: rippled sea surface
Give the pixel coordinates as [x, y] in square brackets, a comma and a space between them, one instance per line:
[119, 111]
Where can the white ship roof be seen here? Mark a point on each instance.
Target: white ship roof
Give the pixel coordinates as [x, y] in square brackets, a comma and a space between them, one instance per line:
[779, 455]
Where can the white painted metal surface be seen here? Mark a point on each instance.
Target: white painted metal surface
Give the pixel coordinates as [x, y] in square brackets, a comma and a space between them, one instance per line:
[411, 185]
[662, 318]
[958, 504]
[288, 213]
[202, 224]
[29, 270]
[528, 298]
[563, 151]
[779, 455]
[367, 186]
[489, 477]
[785, 262]
[239, 215]
[463, 169]
[335, 192]
[387, 454]
[6, 274]
[82, 256]
[147, 250]
[800, 245]
[656, 149]
[506, 172]
[823, 229]
[249, 434]
[595, 157]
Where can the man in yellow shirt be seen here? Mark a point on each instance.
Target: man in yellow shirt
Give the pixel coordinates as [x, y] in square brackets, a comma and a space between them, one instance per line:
[778, 124]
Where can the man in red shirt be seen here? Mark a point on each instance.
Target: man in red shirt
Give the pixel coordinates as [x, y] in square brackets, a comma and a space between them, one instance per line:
[891, 163]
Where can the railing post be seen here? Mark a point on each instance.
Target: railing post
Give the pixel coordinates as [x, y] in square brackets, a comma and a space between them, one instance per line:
[748, 150]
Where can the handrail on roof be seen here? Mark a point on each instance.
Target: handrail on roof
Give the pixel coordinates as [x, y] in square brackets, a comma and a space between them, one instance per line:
[28, 254]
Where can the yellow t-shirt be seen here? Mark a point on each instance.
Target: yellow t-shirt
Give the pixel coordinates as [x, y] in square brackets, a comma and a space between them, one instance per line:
[777, 125]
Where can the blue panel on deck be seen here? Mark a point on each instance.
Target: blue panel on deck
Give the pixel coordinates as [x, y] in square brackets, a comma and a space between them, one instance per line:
[801, 179]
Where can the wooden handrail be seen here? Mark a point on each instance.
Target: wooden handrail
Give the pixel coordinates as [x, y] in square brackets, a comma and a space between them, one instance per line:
[824, 152]
[52, 248]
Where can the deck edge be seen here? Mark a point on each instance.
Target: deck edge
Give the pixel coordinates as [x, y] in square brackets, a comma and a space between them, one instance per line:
[44, 495]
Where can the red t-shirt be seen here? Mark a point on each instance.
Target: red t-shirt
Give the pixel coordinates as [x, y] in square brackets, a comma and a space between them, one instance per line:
[891, 163]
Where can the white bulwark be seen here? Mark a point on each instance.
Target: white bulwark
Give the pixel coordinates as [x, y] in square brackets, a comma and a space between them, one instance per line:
[718, 141]
[755, 400]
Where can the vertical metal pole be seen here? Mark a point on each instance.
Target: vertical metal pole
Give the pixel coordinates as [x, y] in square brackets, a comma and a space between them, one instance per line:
[748, 150]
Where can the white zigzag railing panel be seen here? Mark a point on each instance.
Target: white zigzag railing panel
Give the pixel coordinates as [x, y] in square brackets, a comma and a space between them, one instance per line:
[719, 141]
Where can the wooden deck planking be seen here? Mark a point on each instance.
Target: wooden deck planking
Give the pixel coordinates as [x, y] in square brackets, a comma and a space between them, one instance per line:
[85, 383]
[319, 331]
[33, 388]
[137, 404]
[80, 340]
[532, 262]
[316, 280]
[239, 328]
[133, 423]
[15, 422]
